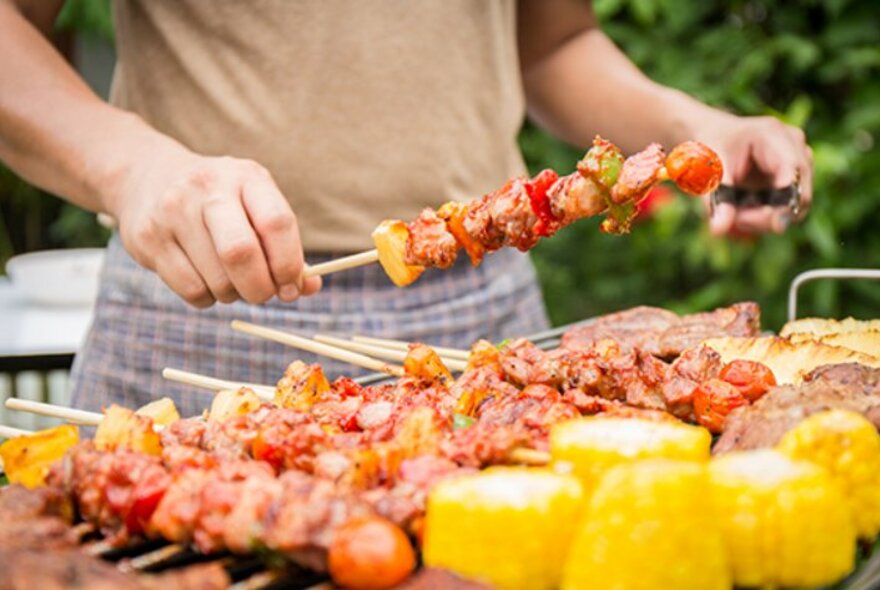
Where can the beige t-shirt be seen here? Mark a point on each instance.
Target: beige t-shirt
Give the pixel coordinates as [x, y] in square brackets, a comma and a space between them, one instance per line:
[361, 109]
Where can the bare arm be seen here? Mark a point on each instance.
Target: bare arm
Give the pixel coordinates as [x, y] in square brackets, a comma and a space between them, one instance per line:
[214, 229]
[578, 84]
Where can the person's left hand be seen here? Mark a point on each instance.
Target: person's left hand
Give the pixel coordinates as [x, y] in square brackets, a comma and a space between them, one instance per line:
[758, 152]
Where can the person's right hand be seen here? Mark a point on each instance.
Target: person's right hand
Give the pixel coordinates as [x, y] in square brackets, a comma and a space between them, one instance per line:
[212, 228]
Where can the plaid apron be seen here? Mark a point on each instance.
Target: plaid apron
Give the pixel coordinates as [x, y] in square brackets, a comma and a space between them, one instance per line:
[141, 326]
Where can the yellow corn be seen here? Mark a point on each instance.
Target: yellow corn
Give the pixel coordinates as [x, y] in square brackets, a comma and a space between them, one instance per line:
[507, 526]
[648, 527]
[588, 447]
[784, 522]
[27, 459]
[847, 445]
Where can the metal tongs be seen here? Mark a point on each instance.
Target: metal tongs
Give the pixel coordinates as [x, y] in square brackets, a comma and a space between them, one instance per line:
[743, 198]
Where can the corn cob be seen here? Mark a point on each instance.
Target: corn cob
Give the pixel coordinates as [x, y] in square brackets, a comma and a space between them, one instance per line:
[27, 459]
[507, 526]
[588, 447]
[847, 445]
[784, 522]
[647, 527]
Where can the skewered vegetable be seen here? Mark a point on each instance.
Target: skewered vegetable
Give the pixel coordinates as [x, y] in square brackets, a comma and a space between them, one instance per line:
[231, 403]
[370, 553]
[847, 445]
[122, 428]
[27, 459]
[784, 522]
[714, 400]
[390, 241]
[509, 527]
[588, 447]
[161, 411]
[647, 528]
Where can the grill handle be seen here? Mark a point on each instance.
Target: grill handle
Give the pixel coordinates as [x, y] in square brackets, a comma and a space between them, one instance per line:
[825, 273]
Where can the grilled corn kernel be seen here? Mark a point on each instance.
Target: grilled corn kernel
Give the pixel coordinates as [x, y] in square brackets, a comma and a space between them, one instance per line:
[847, 445]
[784, 522]
[591, 446]
[647, 527]
[507, 526]
[27, 459]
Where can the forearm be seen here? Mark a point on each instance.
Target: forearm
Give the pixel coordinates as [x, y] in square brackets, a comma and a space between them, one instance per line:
[54, 131]
[586, 86]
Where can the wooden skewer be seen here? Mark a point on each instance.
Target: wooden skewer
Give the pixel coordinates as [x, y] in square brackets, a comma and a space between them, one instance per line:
[344, 263]
[526, 456]
[70, 414]
[12, 432]
[309, 345]
[383, 353]
[264, 392]
[447, 353]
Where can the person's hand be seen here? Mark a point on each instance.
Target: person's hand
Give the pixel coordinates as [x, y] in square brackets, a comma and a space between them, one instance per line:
[758, 152]
[212, 228]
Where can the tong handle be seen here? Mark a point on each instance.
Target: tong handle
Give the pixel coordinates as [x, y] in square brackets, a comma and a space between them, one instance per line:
[744, 198]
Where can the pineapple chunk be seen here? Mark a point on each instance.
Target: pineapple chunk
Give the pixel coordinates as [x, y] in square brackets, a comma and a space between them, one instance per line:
[27, 459]
[162, 411]
[423, 362]
[233, 402]
[121, 428]
[301, 386]
[390, 239]
[507, 526]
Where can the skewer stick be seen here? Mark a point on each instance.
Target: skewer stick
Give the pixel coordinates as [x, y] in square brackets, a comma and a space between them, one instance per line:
[308, 345]
[344, 263]
[446, 353]
[264, 392]
[70, 414]
[12, 432]
[526, 456]
[383, 353]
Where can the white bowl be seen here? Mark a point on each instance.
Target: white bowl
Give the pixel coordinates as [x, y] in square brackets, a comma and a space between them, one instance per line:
[57, 277]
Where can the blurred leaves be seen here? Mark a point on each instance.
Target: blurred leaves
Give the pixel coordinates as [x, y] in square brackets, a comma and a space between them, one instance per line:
[814, 64]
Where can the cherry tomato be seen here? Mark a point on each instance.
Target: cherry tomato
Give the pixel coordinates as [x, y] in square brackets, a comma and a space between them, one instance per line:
[753, 379]
[694, 167]
[370, 553]
[713, 401]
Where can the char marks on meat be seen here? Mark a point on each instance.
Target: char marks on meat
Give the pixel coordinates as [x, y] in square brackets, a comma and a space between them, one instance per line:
[638, 174]
[846, 386]
[663, 333]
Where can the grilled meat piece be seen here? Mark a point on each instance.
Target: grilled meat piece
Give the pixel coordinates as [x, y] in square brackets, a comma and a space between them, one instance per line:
[638, 174]
[18, 503]
[438, 579]
[512, 214]
[574, 197]
[70, 569]
[663, 333]
[847, 386]
[430, 243]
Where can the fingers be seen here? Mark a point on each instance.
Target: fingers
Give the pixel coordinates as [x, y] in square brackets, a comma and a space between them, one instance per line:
[197, 244]
[723, 219]
[276, 227]
[777, 156]
[238, 247]
[178, 272]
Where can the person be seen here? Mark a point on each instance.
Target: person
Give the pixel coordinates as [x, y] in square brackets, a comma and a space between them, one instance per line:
[240, 135]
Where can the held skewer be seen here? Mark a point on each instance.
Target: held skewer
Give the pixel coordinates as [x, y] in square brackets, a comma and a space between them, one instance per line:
[12, 432]
[383, 353]
[444, 352]
[320, 348]
[69, 414]
[604, 183]
[344, 263]
[265, 392]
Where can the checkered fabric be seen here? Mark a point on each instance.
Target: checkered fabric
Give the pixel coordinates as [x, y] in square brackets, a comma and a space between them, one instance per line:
[140, 326]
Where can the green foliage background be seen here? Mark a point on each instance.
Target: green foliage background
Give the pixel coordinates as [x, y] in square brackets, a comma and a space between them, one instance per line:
[814, 63]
